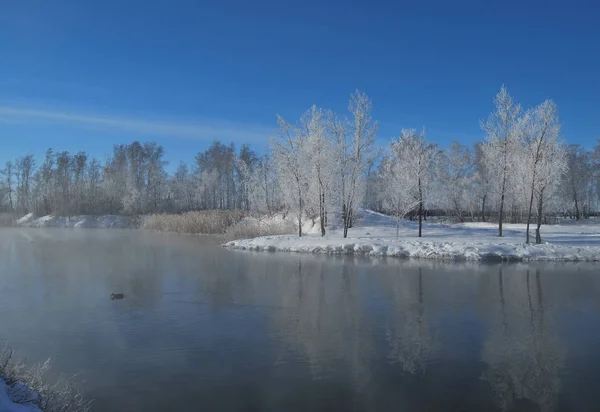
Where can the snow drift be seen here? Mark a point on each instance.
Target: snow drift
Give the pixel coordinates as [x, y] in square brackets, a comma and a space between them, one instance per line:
[85, 221]
[8, 404]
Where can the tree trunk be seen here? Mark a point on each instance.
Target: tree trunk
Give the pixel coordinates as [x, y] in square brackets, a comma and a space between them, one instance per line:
[345, 219]
[322, 212]
[529, 211]
[420, 218]
[577, 215]
[299, 213]
[538, 236]
[458, 211]
[420, 208]
[501, 214]
[483, 208]
[347, 213]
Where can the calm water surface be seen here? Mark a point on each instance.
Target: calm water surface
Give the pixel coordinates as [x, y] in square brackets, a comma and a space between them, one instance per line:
[204, 328]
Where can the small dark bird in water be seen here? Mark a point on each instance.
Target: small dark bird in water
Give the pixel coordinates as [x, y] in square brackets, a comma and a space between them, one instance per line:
[114, 296]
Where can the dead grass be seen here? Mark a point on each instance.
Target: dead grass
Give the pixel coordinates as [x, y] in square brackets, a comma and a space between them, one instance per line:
[249, 228]
[201, 222]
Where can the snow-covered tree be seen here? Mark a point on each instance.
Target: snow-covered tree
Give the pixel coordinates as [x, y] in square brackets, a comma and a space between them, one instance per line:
[7, 186]
[215, 171]
[456, 180]
[181, 197]
[578, 182]
[94, 192]
[79, 166]
[156, 177]
[24, 171]
[410, 169]
[501, 146]
[264, 192]
[543, 157]
[396, 188]
[288, 151]
[481, 179]
[245, 163]
[353, 153]
[318, 154]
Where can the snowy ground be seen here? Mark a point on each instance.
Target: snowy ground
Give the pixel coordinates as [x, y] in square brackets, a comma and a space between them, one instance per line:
[375, 235]
[86, 221]
[7, 404]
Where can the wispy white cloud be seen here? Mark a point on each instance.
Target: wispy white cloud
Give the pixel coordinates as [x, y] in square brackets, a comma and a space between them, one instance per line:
[7, 120]
[206, 131]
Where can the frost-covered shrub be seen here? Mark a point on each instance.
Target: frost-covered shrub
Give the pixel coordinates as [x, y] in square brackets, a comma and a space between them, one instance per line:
[28, 386]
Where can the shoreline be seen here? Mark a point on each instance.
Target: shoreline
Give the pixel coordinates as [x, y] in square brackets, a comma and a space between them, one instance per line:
[376, 236]
[445, 251]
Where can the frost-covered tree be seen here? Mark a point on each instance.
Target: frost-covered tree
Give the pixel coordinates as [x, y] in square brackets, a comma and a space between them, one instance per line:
[288, 151]
[24, 171]
[456, 180]
[578, 187]
[44, 180]
[501, 146]
[78, 166]
[94, 196]
[135, 182]
[264, 194]
[8, 184]
[215, 171]
[481, 179]
[320, 168]
[411, 170]
[62, 184]
[245, 163]
[353, 153]
[396, 187]
[156, 177]
[543, 157]
[182, 188]
[114, 183]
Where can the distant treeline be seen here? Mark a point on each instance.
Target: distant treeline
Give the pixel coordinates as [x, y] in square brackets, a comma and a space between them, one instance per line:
[326, 166]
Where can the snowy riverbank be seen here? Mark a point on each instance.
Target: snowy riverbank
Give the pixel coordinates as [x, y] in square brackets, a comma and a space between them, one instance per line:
[8, 403]
[25, 389]
[85, 221]
[375, 235]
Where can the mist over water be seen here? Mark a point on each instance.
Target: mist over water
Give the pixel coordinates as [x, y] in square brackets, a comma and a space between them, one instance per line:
[205, 328]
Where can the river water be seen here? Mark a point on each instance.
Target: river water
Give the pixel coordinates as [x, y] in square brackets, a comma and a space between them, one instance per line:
[204, 328]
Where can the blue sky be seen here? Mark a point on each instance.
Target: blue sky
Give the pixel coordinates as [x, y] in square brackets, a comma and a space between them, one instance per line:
[83, 75]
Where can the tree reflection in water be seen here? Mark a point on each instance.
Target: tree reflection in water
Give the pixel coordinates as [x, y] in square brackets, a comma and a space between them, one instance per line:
[523, 351]
[409, 336]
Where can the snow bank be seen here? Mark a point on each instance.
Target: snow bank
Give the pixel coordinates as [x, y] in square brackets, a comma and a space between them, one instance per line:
[26, 219]
[8, 405]
[86, 221]
[420, 249]
[376, 236]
